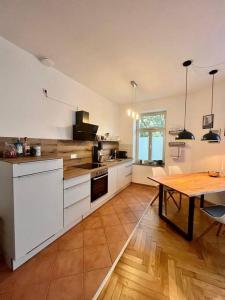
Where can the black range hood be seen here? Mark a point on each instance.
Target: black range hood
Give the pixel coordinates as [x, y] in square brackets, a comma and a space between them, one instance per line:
[82, 130]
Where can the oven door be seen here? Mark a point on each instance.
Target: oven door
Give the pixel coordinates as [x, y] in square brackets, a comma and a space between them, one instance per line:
[99, 186]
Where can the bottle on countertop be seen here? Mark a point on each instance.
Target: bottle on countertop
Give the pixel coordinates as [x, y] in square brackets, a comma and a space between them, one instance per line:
[19, 147]
[26, 147]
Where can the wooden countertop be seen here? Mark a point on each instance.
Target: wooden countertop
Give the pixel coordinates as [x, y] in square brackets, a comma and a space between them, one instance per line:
[192, 184]
[26, 159]
[75, 171]
[69, 172]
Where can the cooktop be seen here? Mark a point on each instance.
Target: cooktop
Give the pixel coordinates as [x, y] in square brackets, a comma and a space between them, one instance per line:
[90, 166]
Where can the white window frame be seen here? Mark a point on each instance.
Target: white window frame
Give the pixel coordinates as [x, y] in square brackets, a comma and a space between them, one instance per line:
[150, 131]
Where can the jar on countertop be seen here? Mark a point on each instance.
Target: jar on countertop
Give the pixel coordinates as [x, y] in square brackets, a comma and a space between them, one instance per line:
[36, 150]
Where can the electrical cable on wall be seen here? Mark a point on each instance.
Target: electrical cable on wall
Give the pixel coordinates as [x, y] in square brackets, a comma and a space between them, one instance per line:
[45, 92]
[211, 66]
[204, 68]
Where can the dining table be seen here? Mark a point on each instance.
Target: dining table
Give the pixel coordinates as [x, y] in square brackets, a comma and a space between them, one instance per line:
[195, 186]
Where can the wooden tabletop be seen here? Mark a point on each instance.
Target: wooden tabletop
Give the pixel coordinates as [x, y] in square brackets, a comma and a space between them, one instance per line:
[192, 184]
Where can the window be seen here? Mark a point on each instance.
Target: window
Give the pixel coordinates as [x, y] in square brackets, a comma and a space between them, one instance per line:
[151, 136]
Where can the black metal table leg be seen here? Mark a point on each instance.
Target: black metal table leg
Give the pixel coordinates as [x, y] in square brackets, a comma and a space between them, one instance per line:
[160, 199]
[191, 218]
[187, 235]
[202, 201]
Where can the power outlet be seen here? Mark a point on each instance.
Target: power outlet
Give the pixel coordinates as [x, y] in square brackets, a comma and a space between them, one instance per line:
[73, 155]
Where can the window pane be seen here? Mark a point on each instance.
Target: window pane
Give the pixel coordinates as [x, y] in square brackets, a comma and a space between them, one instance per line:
[152, 120]
[143, 146]
[157, 145]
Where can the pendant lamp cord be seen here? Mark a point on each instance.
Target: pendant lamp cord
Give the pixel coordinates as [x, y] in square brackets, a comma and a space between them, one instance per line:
[134, 98]
[212, 93]
[185, 106]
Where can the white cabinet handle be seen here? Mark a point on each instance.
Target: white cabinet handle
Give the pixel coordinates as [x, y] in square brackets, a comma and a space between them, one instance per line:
[38, 173]
[74, 186]
[76, 202]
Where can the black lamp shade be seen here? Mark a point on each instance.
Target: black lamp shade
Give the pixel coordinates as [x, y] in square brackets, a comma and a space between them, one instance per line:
[185, 135]
[211, 136]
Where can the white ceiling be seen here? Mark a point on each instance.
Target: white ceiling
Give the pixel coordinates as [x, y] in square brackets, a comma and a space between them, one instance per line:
[106, 43]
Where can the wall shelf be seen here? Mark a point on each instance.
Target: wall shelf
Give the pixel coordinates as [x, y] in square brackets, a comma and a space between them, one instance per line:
[176, 144]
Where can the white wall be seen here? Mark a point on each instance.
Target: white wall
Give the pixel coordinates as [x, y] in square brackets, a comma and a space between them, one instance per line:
[199, 156]
[24, 111]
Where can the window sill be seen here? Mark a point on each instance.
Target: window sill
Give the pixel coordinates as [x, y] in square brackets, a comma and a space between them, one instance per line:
[149, 165]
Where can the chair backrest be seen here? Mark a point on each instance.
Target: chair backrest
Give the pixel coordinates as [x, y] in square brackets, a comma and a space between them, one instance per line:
[158, 171]
[173, 170]
[216, 212]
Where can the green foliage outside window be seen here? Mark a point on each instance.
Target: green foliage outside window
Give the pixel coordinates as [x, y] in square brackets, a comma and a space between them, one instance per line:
[152, 121]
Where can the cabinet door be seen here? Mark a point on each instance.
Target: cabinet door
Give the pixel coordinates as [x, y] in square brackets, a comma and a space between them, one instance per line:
[112, 177]
[76, 211]
[77, 192]
[38, 209]
[124, 175]
[120, 177]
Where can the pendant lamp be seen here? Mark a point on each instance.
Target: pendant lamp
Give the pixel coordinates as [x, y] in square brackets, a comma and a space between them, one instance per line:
[131, 112]
[185, 134]
[211, 136]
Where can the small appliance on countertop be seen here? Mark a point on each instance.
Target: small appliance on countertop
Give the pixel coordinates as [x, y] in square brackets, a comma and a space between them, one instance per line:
[121, 154]
[97, 155]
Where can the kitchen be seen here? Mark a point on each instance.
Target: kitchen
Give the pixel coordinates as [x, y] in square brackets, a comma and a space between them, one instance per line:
[84, 211]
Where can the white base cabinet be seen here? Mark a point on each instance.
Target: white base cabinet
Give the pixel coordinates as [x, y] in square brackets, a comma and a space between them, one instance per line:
[38, 209]
[119, 177]
[77, 201]
[37, 206]
[124, 174]
[31, 206]
[112, 181]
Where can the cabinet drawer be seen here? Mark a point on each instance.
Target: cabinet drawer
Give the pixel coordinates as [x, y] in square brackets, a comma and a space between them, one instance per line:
[76, 211]
[77, 192]
[36, 167]
[77, 180]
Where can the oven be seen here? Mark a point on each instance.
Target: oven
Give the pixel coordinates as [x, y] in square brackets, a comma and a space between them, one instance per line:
[99, 184]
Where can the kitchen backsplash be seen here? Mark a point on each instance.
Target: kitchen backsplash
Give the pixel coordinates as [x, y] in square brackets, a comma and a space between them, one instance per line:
[64, 148]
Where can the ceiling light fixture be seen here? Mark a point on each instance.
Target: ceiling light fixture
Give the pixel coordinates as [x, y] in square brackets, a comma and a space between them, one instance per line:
[212, 136]
[184, 134]
[131, 112]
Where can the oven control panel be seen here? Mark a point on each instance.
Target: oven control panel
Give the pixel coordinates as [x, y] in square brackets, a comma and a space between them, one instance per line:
[99, 173]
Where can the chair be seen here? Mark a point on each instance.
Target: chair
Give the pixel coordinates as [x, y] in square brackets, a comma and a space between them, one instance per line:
[217, 213]
[175, 170]
[158, 171]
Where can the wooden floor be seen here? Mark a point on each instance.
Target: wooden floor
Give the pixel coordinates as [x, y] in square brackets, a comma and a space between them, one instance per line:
[159, 264]
[73, 267]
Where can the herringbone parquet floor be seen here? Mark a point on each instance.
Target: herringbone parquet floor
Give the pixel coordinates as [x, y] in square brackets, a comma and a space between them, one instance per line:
[159, 264]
